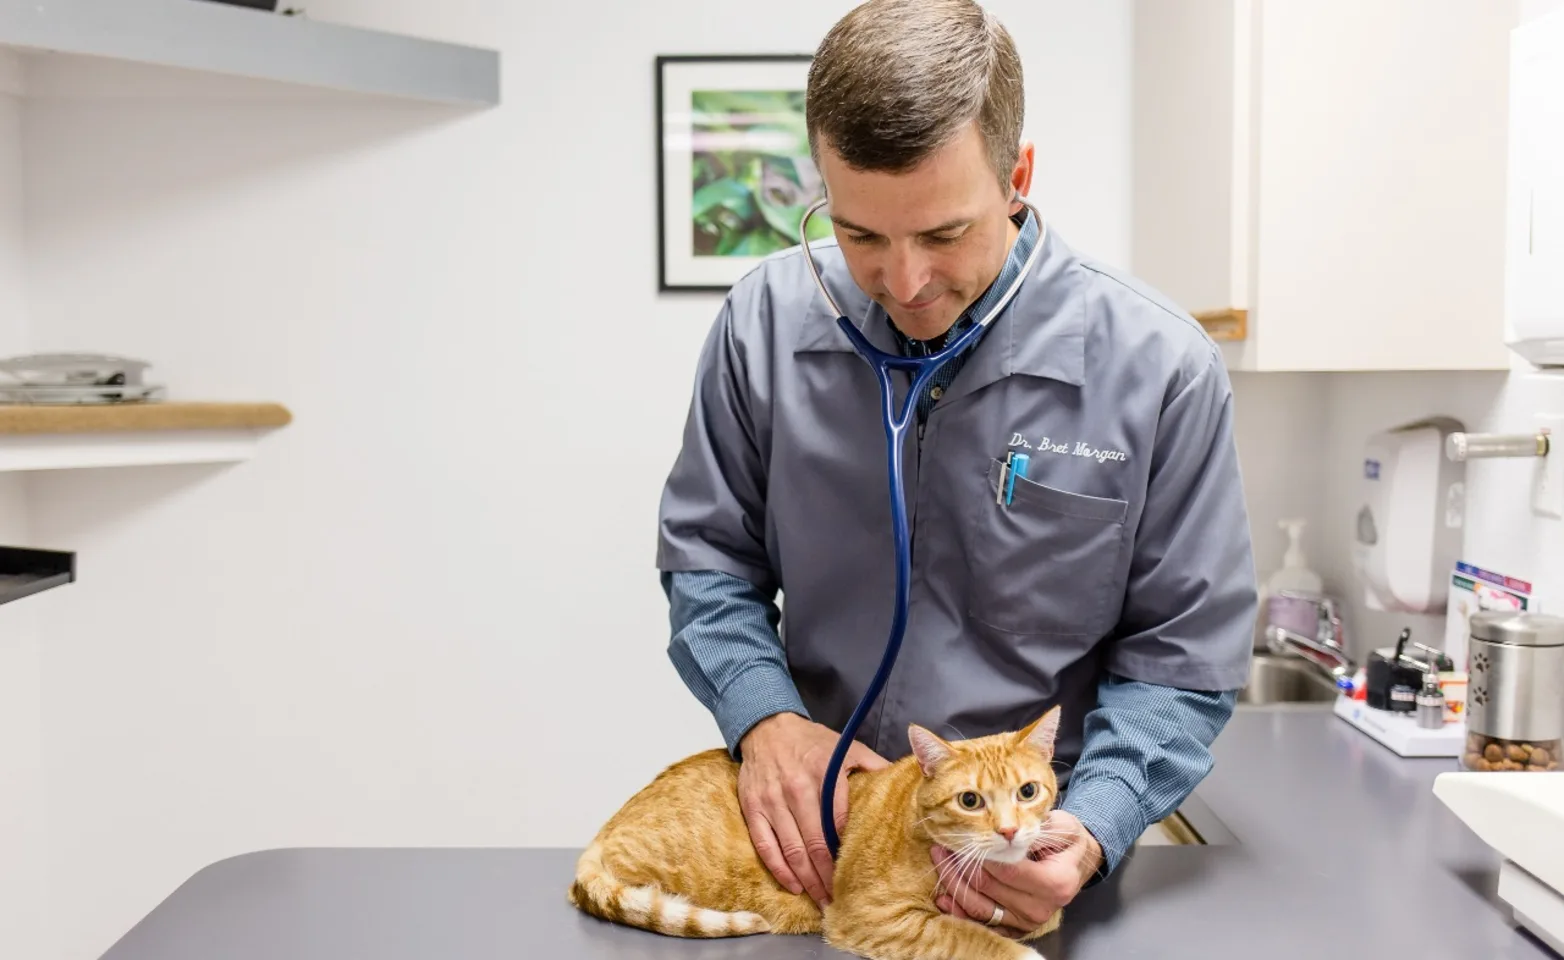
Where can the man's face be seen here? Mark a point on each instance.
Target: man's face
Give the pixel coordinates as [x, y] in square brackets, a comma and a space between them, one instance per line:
[926, 243]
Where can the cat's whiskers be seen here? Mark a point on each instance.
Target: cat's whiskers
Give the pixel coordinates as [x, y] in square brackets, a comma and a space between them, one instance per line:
[956, 861]
[958, 854]
[976, 850]
[935, 867]
[1051, 841]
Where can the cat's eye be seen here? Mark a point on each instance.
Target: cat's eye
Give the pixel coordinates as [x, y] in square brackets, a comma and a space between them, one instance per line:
[969, 800]
[1028, 791]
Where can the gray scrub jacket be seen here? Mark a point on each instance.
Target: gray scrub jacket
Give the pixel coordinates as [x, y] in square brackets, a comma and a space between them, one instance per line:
[1126, 549]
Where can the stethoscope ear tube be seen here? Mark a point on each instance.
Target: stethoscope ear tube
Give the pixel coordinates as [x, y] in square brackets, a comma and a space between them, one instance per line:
[896, 423]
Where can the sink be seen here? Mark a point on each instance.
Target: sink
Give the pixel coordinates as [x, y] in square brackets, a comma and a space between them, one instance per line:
[1279, 678]
[1193, 824]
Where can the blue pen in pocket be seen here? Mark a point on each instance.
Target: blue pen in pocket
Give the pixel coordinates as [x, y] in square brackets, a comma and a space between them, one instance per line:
[1017, 469]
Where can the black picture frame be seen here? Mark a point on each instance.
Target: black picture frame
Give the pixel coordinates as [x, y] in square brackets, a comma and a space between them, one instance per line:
[778, 79]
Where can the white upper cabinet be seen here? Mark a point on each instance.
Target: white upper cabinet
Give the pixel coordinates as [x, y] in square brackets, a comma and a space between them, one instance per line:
[1322, 183]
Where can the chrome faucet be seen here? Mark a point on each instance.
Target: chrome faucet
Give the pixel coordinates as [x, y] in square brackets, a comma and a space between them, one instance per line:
[1326, 649]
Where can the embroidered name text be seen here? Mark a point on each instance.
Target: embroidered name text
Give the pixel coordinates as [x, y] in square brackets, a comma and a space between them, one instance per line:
[1079, 448]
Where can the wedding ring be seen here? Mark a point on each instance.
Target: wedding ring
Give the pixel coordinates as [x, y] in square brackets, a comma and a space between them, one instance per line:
[998, 917]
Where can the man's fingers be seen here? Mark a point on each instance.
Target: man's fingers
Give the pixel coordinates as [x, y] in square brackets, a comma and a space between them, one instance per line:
[863, 758]
[956, 879]
[979, 908]
[859, 757]
[806, 813]
[770, 851]
[948, 904]
[1054, 879]
[795, 851]
[973, 891]
[839, 805]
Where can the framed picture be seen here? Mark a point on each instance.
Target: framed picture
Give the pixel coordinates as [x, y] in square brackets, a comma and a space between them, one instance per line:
[733, 168]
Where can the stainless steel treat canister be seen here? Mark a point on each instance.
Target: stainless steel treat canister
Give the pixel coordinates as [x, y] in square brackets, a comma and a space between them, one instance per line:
[1516, 685]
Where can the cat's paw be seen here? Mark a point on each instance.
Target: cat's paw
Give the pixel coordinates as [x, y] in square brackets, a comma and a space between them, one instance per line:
[1027, 953]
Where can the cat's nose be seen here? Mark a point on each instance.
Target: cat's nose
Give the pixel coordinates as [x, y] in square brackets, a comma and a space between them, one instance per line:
[1009, 833]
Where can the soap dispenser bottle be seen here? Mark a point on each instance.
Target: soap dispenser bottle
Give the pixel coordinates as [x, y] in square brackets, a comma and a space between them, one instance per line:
[1293, 576]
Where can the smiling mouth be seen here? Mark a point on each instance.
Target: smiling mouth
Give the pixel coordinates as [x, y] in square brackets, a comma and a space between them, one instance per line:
[917, 304]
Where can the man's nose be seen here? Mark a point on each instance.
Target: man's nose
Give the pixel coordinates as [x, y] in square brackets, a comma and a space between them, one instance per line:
[906, 274]
[1009, 833]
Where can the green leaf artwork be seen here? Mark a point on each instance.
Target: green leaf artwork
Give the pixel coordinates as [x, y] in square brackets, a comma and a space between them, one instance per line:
[753, 176]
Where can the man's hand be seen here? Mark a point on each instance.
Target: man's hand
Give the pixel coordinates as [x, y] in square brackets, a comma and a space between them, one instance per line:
[1030, 891]
[784, 762]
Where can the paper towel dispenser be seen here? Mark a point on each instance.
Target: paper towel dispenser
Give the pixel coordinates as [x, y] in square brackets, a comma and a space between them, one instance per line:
[1410, 520]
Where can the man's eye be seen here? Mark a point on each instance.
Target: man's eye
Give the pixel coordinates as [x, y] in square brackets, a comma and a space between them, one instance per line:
[944, 239]
[861, 237]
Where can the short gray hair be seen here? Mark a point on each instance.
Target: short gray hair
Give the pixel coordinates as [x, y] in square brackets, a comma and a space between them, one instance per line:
[895, 80]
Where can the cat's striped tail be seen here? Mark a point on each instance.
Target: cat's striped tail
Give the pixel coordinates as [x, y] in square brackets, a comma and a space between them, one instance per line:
[599, 893]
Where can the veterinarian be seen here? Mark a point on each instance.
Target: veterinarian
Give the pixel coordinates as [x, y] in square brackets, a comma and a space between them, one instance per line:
[1117, 581]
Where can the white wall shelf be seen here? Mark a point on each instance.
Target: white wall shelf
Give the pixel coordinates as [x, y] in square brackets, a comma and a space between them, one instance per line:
[238, 41]
[74, 438]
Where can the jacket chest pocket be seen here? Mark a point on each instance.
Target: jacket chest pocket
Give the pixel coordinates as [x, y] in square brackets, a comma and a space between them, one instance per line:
[1047, 562]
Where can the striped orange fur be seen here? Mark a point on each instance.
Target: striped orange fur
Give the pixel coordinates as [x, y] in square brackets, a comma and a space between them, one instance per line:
[677, 858]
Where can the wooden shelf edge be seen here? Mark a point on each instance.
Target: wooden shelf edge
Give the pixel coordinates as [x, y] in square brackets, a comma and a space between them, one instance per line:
[159, 416]
[1225, 325]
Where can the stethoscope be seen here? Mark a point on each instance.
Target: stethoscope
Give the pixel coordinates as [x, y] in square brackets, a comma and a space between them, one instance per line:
[922, 369]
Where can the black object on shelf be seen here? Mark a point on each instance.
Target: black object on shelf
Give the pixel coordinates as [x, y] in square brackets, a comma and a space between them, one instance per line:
[24, 572]
[270, 5]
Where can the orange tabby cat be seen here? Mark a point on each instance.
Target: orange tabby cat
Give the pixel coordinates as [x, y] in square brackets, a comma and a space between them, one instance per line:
[677, 858]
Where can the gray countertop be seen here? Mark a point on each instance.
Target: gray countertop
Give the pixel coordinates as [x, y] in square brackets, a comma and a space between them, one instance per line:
[1336, 848]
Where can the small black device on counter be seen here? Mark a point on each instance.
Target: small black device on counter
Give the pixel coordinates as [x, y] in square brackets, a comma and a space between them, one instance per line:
[1387, 673]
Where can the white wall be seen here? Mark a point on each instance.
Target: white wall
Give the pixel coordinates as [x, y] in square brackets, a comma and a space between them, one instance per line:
[413, 619]
[13, 301]
[1280, 426]
[22, 786]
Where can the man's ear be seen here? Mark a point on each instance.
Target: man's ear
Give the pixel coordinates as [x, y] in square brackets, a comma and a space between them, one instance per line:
[1040, 733]
[930, 750]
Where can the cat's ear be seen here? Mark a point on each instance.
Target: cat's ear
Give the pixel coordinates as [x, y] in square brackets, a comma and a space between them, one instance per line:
[1040, 733]
[930, 750]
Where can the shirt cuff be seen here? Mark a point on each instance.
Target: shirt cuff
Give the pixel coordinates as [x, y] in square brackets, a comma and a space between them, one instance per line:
[757, 693]
[1111, 812]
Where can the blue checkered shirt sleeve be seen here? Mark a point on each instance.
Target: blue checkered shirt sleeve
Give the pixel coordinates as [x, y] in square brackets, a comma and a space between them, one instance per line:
[1145, 747]
[725, 647]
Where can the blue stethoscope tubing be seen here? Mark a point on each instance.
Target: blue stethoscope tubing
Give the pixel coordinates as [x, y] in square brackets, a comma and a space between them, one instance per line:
[896, 422]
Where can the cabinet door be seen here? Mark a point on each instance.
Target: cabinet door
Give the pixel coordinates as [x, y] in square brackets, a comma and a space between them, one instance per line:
[1380, 191]
[1536, 188]
[1192, 152]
